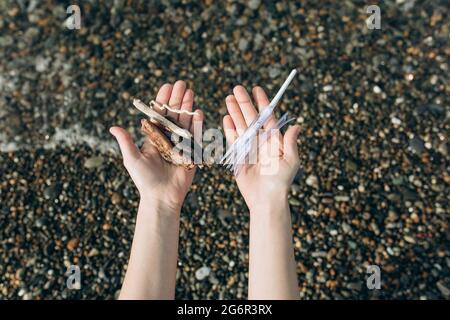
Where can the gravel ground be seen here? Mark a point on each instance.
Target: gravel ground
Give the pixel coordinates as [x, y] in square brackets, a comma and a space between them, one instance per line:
[373, 105]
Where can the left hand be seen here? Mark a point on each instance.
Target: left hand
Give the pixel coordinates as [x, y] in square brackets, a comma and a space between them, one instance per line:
[155, 178]
[268, 180]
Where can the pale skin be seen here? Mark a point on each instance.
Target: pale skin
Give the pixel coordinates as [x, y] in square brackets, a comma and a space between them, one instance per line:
[162, 187]
[265, 187]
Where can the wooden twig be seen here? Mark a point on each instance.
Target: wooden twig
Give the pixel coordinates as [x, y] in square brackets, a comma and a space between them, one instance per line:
[162, 120]
[153, 103]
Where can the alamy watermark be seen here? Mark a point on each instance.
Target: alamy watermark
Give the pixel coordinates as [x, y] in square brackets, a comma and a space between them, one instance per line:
[374, 20]
[73, 22]
[209, 148]
[374, 280]
[73, 281]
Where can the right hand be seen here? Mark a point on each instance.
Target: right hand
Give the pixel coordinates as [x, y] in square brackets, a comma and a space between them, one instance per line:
[154, 177]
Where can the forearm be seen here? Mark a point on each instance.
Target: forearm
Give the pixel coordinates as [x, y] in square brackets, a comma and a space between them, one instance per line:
[272, 270]
[151, 272]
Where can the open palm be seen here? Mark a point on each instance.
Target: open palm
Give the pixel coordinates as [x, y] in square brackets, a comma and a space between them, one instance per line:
[277, 160]
[153, 176]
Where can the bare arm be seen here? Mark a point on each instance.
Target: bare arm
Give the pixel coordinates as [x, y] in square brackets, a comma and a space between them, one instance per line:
[162, 186]
[265, 186]
[272, 269]
[153, 262]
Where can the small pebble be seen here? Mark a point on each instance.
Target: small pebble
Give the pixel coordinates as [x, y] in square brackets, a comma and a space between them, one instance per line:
[202, 273]
[93, 162]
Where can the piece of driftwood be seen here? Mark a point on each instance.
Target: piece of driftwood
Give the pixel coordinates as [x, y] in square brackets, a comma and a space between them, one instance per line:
[163, 144]
[159, 130]
[153, 103]
[157, 118]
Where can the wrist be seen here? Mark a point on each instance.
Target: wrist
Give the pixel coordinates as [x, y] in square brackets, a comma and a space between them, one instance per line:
[271, 217]
[159, 206]
[267, 205]
[170, 200]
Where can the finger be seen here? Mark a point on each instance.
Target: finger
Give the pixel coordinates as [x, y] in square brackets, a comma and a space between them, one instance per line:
[176, 98]
[235, 112]
[262, 102]
[127, 147]
[163, 97]
[229, 129]
[188, 100]
[197, 132]
[290, 147]
[245, 103]
[197, 124]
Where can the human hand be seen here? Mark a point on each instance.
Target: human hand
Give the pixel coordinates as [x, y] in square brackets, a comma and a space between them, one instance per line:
[155, 178]
[267, 181]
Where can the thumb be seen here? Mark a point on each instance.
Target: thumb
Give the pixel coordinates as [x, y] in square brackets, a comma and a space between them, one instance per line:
[290, 147]
[126, 144]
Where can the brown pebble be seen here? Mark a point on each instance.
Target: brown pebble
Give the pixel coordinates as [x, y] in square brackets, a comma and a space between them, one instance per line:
[231, 281]
[447, 178]
[72, 244]
[90, 217]
[331, 284]
[125, 95]
[389, 268]
[116, 198]
[331, 253]
[415, 218]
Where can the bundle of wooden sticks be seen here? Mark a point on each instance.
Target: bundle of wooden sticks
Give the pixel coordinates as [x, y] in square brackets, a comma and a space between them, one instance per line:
[160, 131]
